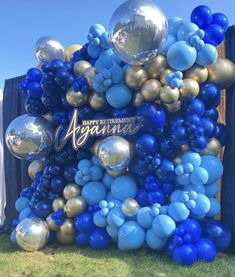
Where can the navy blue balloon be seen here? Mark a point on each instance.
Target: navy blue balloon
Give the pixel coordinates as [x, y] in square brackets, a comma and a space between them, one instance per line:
[221, 133]
[83, 239]
[35, 90]
[220, 19]
[55, 169]
[99, 239]
[166, 171]
[195, 106]
[157, 196]
[179, 135]
[120, 113]
[57, 184]
[84, 223]
[167, 148]
[210, 95]
[70, 172]
[145, 144]
[212, 114]
[202, 16]
[142, 198]
[42, 209]
[206, 250]
[214, 34]
[185, 255]
[209, 127]
[56, 65]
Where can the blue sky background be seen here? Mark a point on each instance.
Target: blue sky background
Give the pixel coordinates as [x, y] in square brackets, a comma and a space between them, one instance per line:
[23, 22]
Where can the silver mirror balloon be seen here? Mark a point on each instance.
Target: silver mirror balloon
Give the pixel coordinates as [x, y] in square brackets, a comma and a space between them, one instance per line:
[114, 153]
[47, 49]
[30, 137]
[137, 29]
[32, 234]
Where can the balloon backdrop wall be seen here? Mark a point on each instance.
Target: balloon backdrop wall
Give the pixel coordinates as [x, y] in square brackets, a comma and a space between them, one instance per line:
[142, 97]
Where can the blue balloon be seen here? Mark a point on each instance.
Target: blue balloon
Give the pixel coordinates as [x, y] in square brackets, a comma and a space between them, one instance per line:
[166, 44]
[156, 196]
[57, 184]
[113, 232]
[212, 114]
[21, 203]
[145, 218]
[196, 188]
[100, 220]
[178, 211]
[185, 254]
[94, 192]
[43, 209]
[220, 19]
[124, 187]
[181, 56]
[186, 30]
[163, 226]
[25, 213]
[213, 166]
[192, 158]
[35, 90]
[212, 190]
[199, 176]
[82, 239]
[34, 75]
[99, 239]
[195, 106]
[145, 144]
[142, 198]
[209, 127]
[130, 236]
[215, 208]
[210, 95]
[13, 236]
[206, 250]
[192, 227]
[202, 16]
[118, 96]
[153, 241]
[221, 133]
[217, 232]
[207, 55]
[214, 34]
[84, 223]
[202, 206]
[107, 180]
[116, 217]
[174, 23]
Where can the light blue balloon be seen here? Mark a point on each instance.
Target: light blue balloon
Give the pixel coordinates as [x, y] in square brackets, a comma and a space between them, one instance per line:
[215, 207]
[98, 86]
[153, 241]
[13, 236]
[212, 190]
[196, 188]
[21, 203]
[107, 180]
[118, 96]
[186, 30]
[166, 44]
[202, 206]
[117, 74]
[174, 23]
[178, 211]
[181, 56]
[199, 176]
[94, 51]
[124, 187]
[113, 232]
[214, 168]
[96, 161]
[84, 163]
[24, 214]
[96, 173]
[144, 217]
[163, 226]
[116, 217]
[207, 55]
[103, 63]
[184, 179]
[96, 30]
[94, 192]
[131, 236]
[193, 158]
[176, 196]
[100, 220]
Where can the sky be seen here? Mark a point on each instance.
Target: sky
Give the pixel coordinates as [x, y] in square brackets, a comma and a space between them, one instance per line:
[23, 22]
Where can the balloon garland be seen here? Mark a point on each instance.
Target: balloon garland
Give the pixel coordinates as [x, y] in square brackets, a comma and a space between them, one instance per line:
[157, 83]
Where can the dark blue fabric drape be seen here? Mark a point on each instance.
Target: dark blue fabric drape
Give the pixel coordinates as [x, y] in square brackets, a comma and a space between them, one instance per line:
[15, 169]
[228, 182]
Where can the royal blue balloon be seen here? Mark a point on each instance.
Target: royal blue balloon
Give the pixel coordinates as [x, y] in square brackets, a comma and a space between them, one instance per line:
[21, 203]
[154, 241]
[181, 56]
[210, 95]
[192, 227]
[217, 232]
[84, 223]
[35, 90]
[156, 196]
[99, 239]
[57, 184]
[185, 255]
[202, 16]
[94, 192]
[118, 96]
[145, 144]
[209, 127]
[206, 250]
[124, 187]
[142, 198]
[195, 106]
[82, 239]
[221, 133]
[179, 135]
[43, 209]
[167, 148]
[214, 168]
[124, 112]
[34, 75]
[214, 34]
[212, 114]
[220, 19]
[207, 55]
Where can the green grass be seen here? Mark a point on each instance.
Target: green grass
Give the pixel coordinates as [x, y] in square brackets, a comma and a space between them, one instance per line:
[72, 261]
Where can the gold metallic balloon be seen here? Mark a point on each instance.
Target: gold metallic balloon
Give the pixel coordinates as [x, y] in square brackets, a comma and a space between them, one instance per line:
[213, 148]
[189, 90]
[80, 67]
[35, 167]
[49, 117]
[71, 190]
[173, 108]
[51, 224]
[97, 101]
[76, 98]
[89, 74]
[163, 75]
[68, 52]
[184, 148]
[116, 173]
[150, 90]
[169, 95]
[135, 76]
[58, 203]
[222, 73]
[67, 228]
[74, 206]
[65, 239]
[198, 73]
[137, 99]
[155, 67]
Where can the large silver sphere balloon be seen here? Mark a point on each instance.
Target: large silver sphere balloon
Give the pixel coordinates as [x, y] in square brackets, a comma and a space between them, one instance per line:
[137, 29]
[130, 207]
[114, 153]
[32, 234]
[30, 137]
[47, 49]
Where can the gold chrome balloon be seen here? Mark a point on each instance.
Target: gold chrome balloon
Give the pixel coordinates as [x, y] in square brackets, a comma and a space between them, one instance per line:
[213, 148]
[156, 66]
[150, 90]
[184, 148]
[197, 73]
[57, 204]
[74, 206]
[222, 73]
[65, 239]
[80, 67]
[189, 90]
[35, 167]
[117, 173]
[135, 76]
[173, 108]
[97, 101]
[51, 224]
[89, 74]
[163, 75]
[76, 98]
[68, 52]
[71, 190]
[67, 228]
[137, 99]
[169, 95]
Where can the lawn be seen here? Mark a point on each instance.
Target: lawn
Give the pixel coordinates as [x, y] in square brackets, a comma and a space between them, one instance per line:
[72, 261]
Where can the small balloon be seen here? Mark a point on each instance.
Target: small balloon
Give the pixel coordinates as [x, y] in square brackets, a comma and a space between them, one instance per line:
[163, 75]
